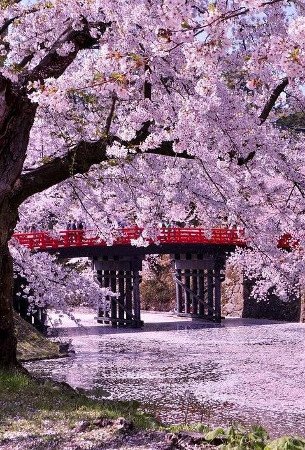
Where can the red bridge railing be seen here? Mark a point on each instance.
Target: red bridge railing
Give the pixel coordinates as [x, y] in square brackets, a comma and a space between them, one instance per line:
[44, 240]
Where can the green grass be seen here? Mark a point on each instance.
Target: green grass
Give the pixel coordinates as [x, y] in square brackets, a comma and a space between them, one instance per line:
[41, 415]
[237, 438]
[36, 414]
[25, 399]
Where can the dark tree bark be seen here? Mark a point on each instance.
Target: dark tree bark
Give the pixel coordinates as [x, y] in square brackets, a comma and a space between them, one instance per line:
[272, 100]
[8, 341]
[17, 115]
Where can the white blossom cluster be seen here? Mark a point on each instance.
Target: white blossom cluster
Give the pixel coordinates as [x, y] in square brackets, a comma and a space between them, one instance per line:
[52, 284]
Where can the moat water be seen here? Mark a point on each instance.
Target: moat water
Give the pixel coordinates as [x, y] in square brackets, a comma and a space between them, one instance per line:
[244, 371]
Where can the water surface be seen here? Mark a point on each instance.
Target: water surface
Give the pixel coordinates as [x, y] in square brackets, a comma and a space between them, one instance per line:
[246, 371]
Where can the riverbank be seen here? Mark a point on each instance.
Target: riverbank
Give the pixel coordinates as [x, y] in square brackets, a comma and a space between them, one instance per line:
[32, 345]
[43, 415]
[46, 415]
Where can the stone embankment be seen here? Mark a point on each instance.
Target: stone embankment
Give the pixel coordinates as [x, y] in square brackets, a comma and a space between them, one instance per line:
[237, 300]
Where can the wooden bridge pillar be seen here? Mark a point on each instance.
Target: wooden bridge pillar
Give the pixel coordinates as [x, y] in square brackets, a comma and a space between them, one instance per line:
[121, 275]
[198, 281]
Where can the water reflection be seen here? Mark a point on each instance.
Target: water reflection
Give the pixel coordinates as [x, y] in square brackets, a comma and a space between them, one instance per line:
[248, 371]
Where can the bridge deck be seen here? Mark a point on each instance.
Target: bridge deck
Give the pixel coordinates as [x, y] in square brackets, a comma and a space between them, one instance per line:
[48, 241]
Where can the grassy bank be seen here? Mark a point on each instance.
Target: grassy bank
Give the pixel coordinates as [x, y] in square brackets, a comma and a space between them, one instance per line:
[32, 344]
[44, 415]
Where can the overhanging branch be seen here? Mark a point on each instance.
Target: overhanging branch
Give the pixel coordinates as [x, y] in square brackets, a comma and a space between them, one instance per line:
[166, 149]
[54, 64]
[85, 154]
[76, 161]
[273, 98]
[265, 114]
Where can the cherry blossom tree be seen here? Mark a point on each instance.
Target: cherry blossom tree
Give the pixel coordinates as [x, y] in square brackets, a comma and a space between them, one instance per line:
[152, 110]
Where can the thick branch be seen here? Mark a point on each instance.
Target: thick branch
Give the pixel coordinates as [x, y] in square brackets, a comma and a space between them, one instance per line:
[76, 161]
[110, 116]
[53, 64]
[264, 116]
[6, 24]
[9, 21]
[164, 149]
[139, 138]
[273, 98]
[84, 155]
[17, 115]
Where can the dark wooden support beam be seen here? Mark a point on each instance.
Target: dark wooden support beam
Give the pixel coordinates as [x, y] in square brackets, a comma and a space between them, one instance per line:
[219, 277]
[36, 318]
[179, 293]
[113, 301]
[201, 292]
[128, 296]
[121, 300]
[217, 293]
[194, 289]
[136, 267]
[210, 288]
[101, 311]
[121, 275]
[187, 296]
[187, 282]
[136, 299]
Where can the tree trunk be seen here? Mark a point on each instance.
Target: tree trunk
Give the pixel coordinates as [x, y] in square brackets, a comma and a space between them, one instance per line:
[17, 115]
[8, 341]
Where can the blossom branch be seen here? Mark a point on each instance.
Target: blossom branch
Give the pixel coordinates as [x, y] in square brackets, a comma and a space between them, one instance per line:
[75, 161]
[273, 98]
[110, 116]
[54, 64]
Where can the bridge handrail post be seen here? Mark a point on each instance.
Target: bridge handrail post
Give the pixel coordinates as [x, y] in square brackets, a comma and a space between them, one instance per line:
[66, 238]
[41, 239]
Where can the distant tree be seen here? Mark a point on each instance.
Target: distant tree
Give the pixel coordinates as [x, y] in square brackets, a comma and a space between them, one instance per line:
[157, 287]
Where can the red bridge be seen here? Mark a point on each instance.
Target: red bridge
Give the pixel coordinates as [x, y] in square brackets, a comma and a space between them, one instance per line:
[44, 240]
[198, 257]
